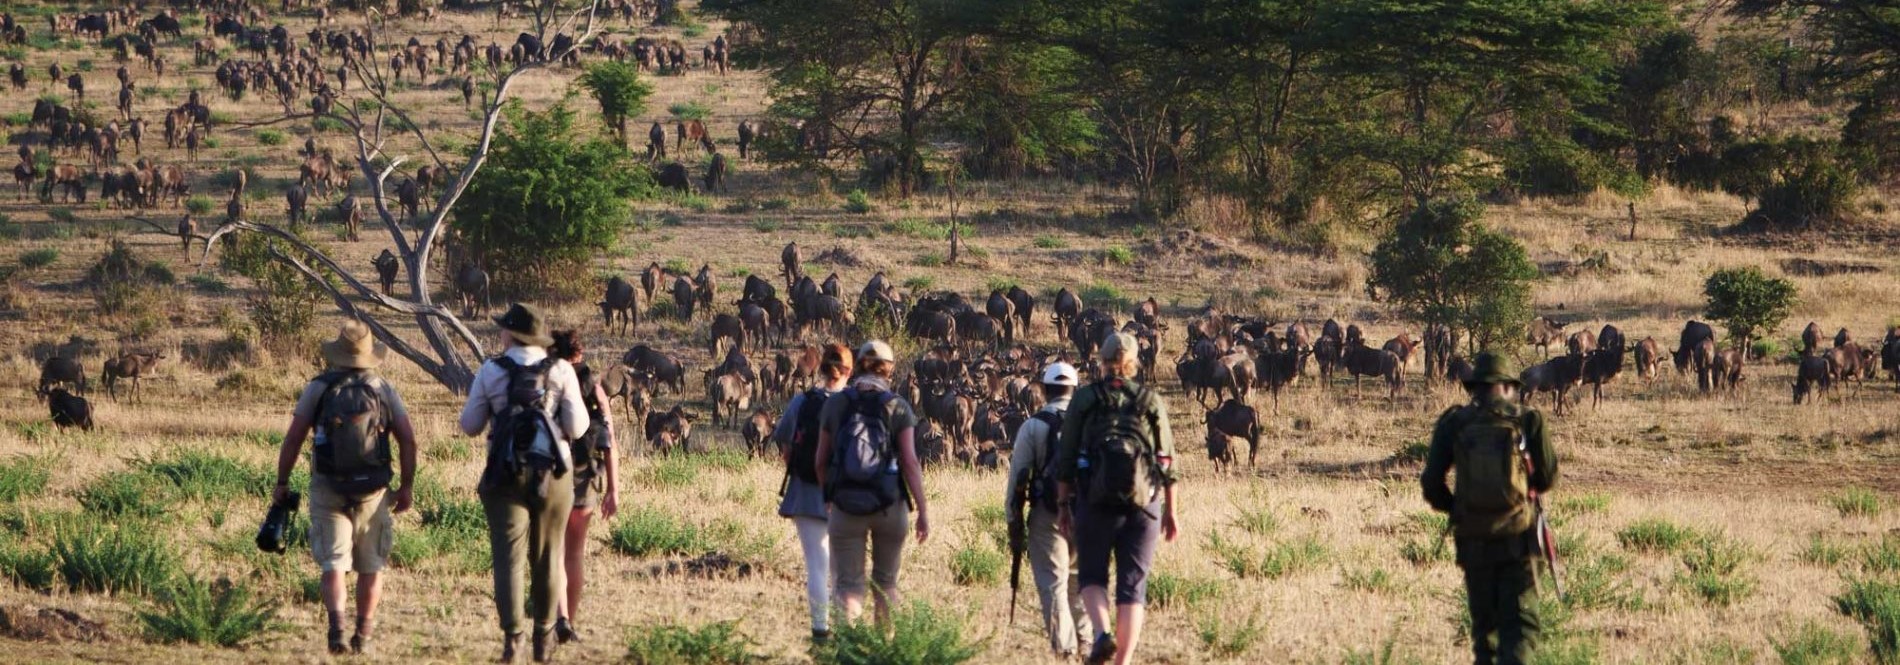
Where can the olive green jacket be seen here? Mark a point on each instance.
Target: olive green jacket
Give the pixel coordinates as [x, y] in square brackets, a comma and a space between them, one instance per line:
[1082, 407]
[1438, 460]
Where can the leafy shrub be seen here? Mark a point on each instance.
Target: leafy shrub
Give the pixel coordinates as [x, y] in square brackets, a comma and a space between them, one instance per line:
[222, 614]
[205, 476]
[1050, 242]
[648, 532]
[1714, 571]
[689, 110]
[617, 87]
[1815, 644]
[199, 204]
[857, 202]
[976, 565]
[1257, 521]
[270, 137]
[62, 215]
[124, 494]
[35, 259]
[1118, 255]
[929, 260]
[1441, 265]
[1103, 295]
[718, 643]
[918, 635]
[1655, 535]
[1876, 605]
[1746, 300]
[30, 568]
[112, 559]
[24, 477]
[1856, 502]
[1810, 186]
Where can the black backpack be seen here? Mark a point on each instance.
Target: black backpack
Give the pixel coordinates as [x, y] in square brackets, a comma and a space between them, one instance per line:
[1119, 450]
[863, 478]
[521, 436]
[802, 463]
[585, 448]
[351, 444]
[1042, 479]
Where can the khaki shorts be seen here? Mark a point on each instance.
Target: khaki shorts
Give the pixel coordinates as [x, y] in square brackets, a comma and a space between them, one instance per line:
[349, 534]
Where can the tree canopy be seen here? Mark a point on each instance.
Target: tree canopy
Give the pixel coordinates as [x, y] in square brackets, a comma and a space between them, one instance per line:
[1441, 266]
[1748, 302]
[616, 85]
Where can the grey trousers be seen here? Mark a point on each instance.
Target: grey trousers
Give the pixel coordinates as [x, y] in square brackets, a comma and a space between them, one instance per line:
[526, 530]
[1053, 566]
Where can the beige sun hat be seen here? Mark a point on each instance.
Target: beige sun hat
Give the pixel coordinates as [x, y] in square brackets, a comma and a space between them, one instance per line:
[354, 348]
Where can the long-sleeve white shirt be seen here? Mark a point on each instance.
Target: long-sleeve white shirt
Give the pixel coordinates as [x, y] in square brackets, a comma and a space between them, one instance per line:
[1032, 449]
[489, 394]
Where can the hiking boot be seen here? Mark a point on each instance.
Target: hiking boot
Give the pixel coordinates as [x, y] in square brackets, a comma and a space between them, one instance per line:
[564, 632]
[820, 635]
[360, 645]
[543, 647]
[509, 645]
[1103, 651]
[337, 646]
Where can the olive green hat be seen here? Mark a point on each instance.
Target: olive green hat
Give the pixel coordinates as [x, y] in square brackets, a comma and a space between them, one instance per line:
[1490, 369]
[525, 323]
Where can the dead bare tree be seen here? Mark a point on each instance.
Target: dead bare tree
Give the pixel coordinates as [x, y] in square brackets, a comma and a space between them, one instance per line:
[450, 344]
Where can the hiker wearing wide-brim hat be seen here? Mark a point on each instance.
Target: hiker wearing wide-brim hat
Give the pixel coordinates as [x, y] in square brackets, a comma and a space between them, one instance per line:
[1501, 453]
[352, 413]
[524, 324]
[525, 493]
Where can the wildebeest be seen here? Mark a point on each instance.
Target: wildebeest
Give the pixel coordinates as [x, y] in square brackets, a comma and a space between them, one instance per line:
[1361, 360]
[656, 142]
[69, 410]
[669, 430]
[1067, 307]
[1025, 305]
[1276, 370]
[746, 134]
[1810, 340]
[471, 283]
[1693, 334]
[1648, 358]
[1581, 342]
[1233, 419]
[1890, 354]
[656, 368]
[620, 304]
[132, 367]
[684, 297]
[296, 198]
[1847, 364]
[716, 174]
[1543, 332]
[59, 372]
[692, 132]
[1402, 347]
[730, 395]
[673, 176]
[1556, 376]
[386, 266]
[650, 279]
[1726, 370]
[725, 328]
[1812, 376]
[757, 433]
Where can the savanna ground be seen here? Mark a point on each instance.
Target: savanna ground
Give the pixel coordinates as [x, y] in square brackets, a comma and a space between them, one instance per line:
[1323, 553]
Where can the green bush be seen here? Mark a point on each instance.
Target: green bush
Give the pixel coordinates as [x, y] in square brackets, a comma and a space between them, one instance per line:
[113, 559]
[200, 204]
[1118, 255]
[857, 202]
[328, 124]
[911, 227]
[62, 215]
[718, 643]
[1881, 557]
[1822, 552]
[270, 137]
[617, 87]
[1596, 583]
[1225, 641]
[693, 202]
[28, 567]
[35, 259]
[1167, 590]
[920, 283]
[929, 260]
[1105, 296]
[125, 494]
[1876, 605]
[1655, 535]
[918, 635]
[765, 225]
[1747, 301]
[977, 565]
[206, 476]
[1856, 502]
[1815, 644]
[219, 614]
[689, 110]
[1049, 242]
[647, 532]
[24, 477]
[1713, 571]
[1440, 264]
[1811, 187]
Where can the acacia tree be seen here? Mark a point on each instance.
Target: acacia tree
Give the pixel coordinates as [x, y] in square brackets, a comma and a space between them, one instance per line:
[620, 92]
[1440, 266]
[372, 124]
[1747, 302]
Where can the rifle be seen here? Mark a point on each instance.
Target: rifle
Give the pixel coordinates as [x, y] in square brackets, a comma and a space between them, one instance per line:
[1018, 506]
[1546, 538]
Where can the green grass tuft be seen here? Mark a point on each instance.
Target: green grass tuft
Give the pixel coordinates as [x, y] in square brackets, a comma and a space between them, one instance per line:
[1049, 242]
[113, 559]
[34, 259]
[1656, 536]
[690, 110]
[1816, 644]
[718, 643]
[977, 565]
[1856, 502]
[1167, 590]
[1118, 255]
[24, 477]
[1713, 571]
[223, 613]
[206, 476]
[1875, 603]
[125, 494]
[270, 137]
[649, 532]
[28, 567]
[1229, 641]
[857, 202]
[919, 634]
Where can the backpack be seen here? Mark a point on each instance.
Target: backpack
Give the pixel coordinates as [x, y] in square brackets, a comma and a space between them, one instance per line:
[1493, 492]
[862, 478]
[521, 436]
[802, 463]
[1042, 478]
[1120, 452]
[584, 449]
[351, 446]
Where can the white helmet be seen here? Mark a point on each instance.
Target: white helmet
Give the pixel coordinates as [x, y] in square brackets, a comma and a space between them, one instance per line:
[1060, 374]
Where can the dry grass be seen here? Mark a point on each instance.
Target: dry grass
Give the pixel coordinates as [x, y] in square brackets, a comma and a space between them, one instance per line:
[1752, 467]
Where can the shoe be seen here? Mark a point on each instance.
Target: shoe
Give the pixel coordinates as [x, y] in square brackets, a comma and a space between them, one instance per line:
[360, 645]
[1065, 656]
[337, 646]
[564, 632]
[509, 645]
[543, 647]
[820, 635]
[1103, 651]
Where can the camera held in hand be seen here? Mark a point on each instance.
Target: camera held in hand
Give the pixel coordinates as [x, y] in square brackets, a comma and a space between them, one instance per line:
[273, 536]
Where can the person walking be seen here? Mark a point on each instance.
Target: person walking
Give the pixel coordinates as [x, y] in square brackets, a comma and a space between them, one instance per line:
[1115, 494]
[867, 464]
[352, 413]
[531, 406]
[1503, 459]
[802, 499]
[1031, 489]
[596, 476]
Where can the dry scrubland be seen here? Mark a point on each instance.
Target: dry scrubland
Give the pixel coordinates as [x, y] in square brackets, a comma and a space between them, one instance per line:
[1325, 550]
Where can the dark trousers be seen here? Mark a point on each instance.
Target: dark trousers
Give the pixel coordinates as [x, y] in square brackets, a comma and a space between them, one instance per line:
[527, 523]
[1502, 597]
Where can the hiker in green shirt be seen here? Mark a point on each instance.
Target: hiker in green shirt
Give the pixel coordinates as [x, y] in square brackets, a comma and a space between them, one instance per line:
[1501, 454]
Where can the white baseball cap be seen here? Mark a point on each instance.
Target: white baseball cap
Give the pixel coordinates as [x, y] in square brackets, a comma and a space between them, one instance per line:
[876, 350]
[1060, 374]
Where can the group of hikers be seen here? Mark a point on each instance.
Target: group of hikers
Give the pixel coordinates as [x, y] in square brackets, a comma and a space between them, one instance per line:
[1091, 480]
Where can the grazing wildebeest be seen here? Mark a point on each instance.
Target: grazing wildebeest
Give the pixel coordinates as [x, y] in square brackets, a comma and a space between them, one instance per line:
[832, 312]
[1703, 358]
[1813, 375]
[692, 132]
[730, 395]
[1810, 339]
[684, 297]
[1361, 360]
[296, 198]
[69, 410]
[1236, 420]
[620, 304]
[650, 279]
[1846, 363]
[1693, 334]
[1025, 305]
[471, 282]
[60, 371]
[1581, 342]
[746, 134]
[669, 430]
[716, 174]
[386, 266]
[1648, 358]
[673, 176]
[1543, 332]
[130, 366]
[1726, 369]
[659, 369]
[1556, 376]
[725, 328]
[757, 433]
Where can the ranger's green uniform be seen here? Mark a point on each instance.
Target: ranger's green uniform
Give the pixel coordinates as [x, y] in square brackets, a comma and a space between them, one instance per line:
[1497, 555]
